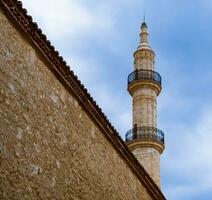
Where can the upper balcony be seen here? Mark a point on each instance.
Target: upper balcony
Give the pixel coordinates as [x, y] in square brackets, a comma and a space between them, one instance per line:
[144, 75]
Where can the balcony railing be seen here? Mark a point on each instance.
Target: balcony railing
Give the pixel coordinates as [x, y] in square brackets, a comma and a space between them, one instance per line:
[143, 74]
[145, 133]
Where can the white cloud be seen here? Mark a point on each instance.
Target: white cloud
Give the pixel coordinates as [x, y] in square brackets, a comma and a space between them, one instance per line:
[86, 68]
[69, 18]
[187, 123]
[184, 191]
[117, 110]
[189, 157]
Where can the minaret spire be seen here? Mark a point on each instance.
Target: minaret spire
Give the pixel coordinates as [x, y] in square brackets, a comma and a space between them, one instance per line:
[144, 33]
[144, 85]
[144, 43]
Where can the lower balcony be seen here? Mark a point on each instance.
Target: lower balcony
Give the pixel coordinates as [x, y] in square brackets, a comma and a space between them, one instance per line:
[145, 133]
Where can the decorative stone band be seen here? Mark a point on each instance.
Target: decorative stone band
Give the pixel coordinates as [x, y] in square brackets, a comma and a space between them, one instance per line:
[145, 133]
[144, 53]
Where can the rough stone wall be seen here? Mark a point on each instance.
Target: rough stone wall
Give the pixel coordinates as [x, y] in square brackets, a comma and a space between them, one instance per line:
[49, 147]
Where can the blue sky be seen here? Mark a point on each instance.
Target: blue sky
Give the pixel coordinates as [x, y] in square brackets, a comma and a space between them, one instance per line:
[98, 38]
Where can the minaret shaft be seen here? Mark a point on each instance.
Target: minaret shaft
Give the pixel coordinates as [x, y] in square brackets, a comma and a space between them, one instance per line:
[144, 85]
[144, 108]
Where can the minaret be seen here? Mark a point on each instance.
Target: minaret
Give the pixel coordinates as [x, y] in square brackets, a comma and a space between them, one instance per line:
[144, 140]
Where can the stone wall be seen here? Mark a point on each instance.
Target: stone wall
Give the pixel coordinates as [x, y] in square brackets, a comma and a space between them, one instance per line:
[49, 147]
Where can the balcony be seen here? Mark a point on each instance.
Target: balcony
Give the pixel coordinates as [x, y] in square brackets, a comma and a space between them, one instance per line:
[145, 133]
[143, 74]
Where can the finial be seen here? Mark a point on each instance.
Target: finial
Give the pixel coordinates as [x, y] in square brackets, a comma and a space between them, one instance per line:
[144, 19]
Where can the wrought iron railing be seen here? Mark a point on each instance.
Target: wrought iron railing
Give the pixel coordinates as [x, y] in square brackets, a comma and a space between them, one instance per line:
[143, 74]
[145, 133]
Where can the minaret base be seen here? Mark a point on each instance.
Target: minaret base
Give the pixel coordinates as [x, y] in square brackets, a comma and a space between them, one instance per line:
[149, 158]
